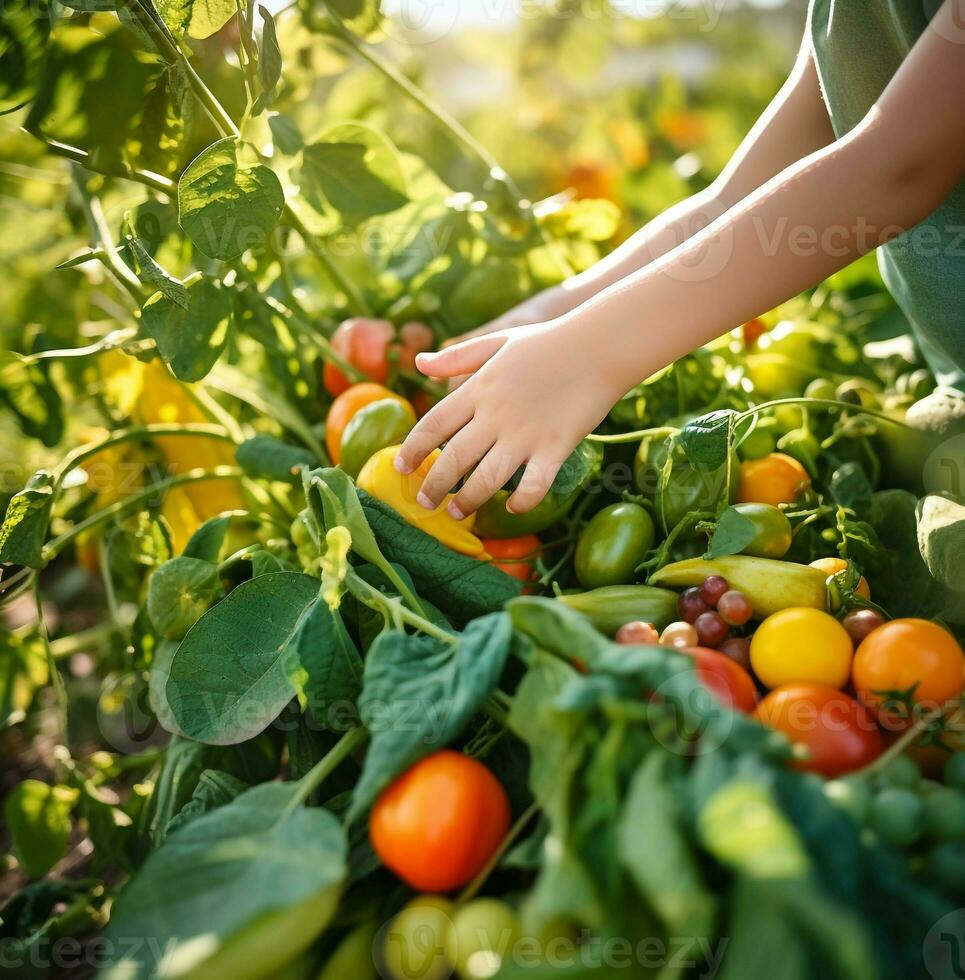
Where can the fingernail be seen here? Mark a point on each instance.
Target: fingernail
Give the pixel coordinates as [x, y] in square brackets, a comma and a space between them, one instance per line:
[401, 465]
[423, 501]
[454, 512]
[509, 508]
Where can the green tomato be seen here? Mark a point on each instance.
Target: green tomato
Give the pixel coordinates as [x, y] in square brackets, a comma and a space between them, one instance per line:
[902, 772]
[415, 941]
[955, 770]
[494, 521]
[945, 814]
[687, 488]
[896, 816]
[772, 530]
[821, 388]
[852, 794]
[776, 375]
[760, 442]
[482, 936]
[352, 956]
[612, 544]
[802, 446]
[377, 425]
[946, 866]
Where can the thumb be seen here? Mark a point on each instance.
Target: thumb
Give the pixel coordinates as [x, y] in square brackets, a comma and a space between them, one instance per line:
[463, 358]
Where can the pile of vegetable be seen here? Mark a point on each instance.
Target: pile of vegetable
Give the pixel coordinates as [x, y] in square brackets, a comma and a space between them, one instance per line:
[698, 711]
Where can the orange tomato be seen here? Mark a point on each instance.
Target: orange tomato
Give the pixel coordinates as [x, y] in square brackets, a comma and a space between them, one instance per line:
[773, 479]
[834, 566]
[504, 550]
[439, 823]
[840, 735]
[345, 406]
[752, 331]
[364, 343]
[912, 657]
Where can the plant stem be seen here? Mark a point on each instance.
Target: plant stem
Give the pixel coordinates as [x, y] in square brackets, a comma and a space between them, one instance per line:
[907, 739]
[658, 432]
[472, 889]
[374, 599]
[155, 181]
[822, 403]
[66, 646]
[322, 769]
[56, 681]
[54, 547]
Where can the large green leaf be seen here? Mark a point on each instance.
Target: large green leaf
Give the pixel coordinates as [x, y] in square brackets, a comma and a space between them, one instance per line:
[263, 457]
[24, 528]
[196, 18]
[705, 440]
[236, 892]
[462, 587]
[191, 337]
[38, 816]
[231, 675]
[227, 205]
[179, 593]
[360, 16]
[331, 661]
[354, 170]
[23, 32]
[23, 672]
[419, 692]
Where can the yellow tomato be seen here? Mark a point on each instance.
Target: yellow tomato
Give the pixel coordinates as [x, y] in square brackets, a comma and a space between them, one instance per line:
[800, 644]
[835, 566]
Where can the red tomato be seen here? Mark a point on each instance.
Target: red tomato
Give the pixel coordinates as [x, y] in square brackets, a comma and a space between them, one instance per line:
[524, 549]
[752, 331]
[414, 338]
[839, 734]
[725, 679]
[364, 344]
[439, 823]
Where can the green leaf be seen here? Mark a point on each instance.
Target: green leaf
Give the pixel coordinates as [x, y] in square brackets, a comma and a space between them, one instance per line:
[196, 18]
[207, 541]
[705, 440]
[462, 587]
[356, 171]
[418, 694]
[360, 16]
[190, 339]
[269, 54]
[23, 672]
[248, 883]
[179, 593]
[23, 32]
[331, 661]
[581, 466]
[38, 816]
[941, 538]
[231, 675]
[24, 528]
[658, 856]
[285, 134]
[264, 457]
[849, 485]
[214, 789]
[150, 273]
[226, 206]
[27, 390]
[733, 534]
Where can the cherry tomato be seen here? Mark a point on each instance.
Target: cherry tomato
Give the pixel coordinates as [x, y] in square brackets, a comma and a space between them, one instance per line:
[713, 588]
[725, 679]
[690, 605]
[832, 567]
[638, 632]
[523, 549]
[738, 648]
[861, 622]
[772, 530]
[752, 331]
[912, 658]
[679, 635]
[439, 823]
[773, 479]
[839, 734]
[612, 544]
[414, 338]
[483, 934]
[345, 406]
[801, 644]
[414, 944]
[735, 608]
[365, 345]
[711, 629]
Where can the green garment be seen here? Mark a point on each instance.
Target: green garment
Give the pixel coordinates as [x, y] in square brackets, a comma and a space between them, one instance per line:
[858, 46]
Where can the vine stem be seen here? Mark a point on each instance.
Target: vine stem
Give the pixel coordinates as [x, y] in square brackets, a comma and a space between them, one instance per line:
[906, 740]
[374, 599]
[54, 547]
[56, 681]
[471, 890]
[343, 748]
[155, 181]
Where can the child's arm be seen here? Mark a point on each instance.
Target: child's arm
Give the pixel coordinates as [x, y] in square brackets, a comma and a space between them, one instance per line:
[793, 125]
[536, 391]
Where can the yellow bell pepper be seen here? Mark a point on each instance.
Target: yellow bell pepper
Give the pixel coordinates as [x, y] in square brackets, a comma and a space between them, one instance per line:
[380, 478]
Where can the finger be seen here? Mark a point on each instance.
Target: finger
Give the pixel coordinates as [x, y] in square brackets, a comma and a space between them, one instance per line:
[461, 454]
[464, 358]
[499, 464]
[537, 478]
[432, 430]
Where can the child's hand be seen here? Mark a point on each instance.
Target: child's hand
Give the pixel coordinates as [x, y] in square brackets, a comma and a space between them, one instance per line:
[533, 393]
